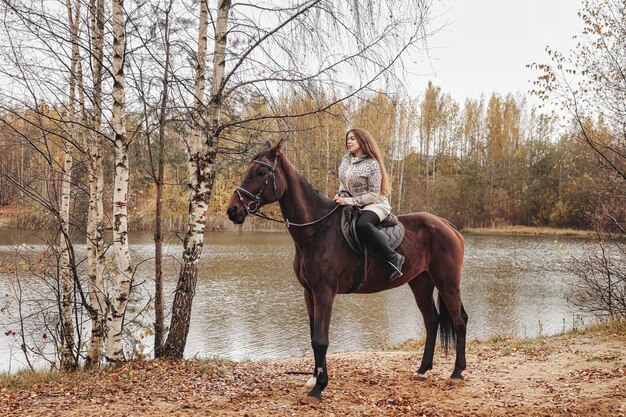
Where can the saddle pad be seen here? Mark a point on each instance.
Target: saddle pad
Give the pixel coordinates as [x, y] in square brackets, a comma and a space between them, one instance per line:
[393, 234]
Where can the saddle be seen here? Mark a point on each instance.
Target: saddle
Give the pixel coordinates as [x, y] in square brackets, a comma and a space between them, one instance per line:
[390, 227]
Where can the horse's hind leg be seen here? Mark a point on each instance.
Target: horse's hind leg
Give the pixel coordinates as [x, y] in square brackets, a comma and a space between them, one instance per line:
[423, 288]
[445, 265]
[452, 314]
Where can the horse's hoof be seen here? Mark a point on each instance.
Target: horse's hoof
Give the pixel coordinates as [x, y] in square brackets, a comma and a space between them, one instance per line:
[310, 400]
[311, 382]
[457, 375]
[421, 377]
[455, 380]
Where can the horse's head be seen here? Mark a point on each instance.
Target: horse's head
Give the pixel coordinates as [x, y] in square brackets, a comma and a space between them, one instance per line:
[262, 184]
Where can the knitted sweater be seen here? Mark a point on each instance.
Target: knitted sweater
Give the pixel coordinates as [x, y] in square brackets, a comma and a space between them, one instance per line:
[362, 177]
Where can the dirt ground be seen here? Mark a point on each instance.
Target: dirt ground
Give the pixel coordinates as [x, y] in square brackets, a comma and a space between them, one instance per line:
[571, 375]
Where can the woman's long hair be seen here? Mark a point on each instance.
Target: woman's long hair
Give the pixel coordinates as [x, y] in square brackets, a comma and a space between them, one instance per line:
[371, 149]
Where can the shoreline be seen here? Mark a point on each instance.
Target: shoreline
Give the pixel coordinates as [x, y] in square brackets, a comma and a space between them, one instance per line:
[576, 373]
[219, 225]
[528, 231]
[615, 328]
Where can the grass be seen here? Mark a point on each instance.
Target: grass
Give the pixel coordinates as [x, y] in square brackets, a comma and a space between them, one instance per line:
[211, 366]
[409, 344]
[27, 379]
[608, 326]
[32, 379]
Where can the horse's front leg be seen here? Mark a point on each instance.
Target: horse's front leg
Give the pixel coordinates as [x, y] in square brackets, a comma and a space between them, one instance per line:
[310, 308]
[323, 305]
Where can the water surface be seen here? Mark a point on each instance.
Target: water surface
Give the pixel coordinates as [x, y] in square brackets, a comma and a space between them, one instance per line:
[249, 305]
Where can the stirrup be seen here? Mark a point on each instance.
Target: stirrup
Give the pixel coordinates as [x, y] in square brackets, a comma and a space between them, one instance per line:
[397, 270]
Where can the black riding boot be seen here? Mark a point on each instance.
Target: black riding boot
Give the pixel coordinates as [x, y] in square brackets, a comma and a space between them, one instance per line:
[394, 264]
[374, 238]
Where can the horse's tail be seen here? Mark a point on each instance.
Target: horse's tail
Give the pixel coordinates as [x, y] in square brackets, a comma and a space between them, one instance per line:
[446, 329]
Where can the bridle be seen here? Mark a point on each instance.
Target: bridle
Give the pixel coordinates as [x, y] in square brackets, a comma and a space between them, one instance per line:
[254, 206]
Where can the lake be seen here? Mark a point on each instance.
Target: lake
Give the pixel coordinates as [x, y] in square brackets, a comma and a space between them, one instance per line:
[249, 305]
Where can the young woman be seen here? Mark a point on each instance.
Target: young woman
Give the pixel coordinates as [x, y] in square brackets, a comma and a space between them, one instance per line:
[362, 173]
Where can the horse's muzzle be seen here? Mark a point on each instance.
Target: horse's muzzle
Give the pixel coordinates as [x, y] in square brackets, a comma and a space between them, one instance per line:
[235, 211]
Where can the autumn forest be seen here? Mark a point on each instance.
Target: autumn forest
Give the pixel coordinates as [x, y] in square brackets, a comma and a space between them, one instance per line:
[486, 162]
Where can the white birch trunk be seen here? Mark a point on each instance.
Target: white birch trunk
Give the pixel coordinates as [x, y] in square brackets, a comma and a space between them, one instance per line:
[95, 251]
[122, 280]
[68, 361]
[67, 300]
[95, 218]
[202, 149]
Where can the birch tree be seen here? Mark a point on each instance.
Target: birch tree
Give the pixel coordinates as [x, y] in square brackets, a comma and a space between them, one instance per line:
[202, 151]
[53, 102]
[122, 280]
[95, 173]
[408, 126]
[68, 360]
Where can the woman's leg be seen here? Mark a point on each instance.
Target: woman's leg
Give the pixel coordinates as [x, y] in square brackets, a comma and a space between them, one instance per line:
[367, 231]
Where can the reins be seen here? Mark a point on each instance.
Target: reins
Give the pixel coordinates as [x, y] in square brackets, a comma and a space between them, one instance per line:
[253, 207]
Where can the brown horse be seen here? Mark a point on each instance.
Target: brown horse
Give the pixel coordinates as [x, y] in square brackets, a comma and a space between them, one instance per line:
[325, 265]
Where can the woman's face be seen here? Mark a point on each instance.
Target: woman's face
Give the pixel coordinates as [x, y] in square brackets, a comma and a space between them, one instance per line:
[352, 145]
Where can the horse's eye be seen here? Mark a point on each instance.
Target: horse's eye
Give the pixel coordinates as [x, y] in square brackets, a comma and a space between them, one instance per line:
[261, 173]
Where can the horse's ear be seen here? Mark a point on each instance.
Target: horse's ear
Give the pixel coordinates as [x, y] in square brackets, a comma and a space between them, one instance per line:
[267, 146]
[276, 149]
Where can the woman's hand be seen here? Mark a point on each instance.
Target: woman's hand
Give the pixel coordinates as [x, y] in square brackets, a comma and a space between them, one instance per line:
[340, 200]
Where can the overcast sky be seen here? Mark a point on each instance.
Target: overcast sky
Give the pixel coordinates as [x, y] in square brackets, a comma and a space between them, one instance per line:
[486, 44]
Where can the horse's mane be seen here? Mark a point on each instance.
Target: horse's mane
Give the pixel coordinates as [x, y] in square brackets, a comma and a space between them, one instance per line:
[303, 179]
